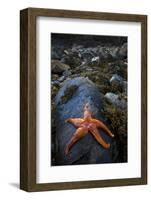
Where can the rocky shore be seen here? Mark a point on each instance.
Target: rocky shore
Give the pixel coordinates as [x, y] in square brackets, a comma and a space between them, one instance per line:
[103, 61]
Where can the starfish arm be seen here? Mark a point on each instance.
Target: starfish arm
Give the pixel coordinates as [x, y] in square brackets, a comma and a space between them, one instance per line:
[80, 132]
[100, 124]
[75, 121]
[98, 137]
[87, 114]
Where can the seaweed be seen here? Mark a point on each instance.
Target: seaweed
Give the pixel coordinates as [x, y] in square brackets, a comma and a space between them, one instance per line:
[117, 121]
[68, 94]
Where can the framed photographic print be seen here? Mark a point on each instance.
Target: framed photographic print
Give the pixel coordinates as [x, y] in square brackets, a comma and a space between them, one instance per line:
[83, 99]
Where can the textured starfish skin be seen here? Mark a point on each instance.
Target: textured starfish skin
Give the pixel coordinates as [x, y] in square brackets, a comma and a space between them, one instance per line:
[85, 125]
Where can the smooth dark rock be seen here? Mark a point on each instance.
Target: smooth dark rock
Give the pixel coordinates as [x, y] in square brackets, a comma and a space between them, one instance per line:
[70, 101]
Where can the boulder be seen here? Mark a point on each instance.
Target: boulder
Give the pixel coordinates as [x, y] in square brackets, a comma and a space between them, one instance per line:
[71, 59]
[95, 60]
[114, 52]
[104, 53]
[69, 102]
[118, 83]
[123, 51]
[116, 78]
[111, 97]
[67, 73]
[114, 99]
[61, 78]
[57, 67]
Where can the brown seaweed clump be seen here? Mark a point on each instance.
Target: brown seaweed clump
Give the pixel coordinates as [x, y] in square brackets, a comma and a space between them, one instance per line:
[117, 121]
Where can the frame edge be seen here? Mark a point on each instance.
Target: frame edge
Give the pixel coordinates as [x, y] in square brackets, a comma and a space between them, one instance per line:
[23, 99]
[27, 101]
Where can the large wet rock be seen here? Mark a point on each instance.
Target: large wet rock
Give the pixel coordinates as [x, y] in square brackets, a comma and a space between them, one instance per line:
[70, 101]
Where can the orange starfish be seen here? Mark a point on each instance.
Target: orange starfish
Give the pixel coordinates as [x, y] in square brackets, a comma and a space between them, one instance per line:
[85, 125]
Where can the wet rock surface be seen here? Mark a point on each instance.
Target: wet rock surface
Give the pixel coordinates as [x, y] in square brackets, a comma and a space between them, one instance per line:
[70, 101]
[103, 61]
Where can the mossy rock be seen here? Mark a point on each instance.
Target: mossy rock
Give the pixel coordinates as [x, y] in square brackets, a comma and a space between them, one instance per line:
[68, 94]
